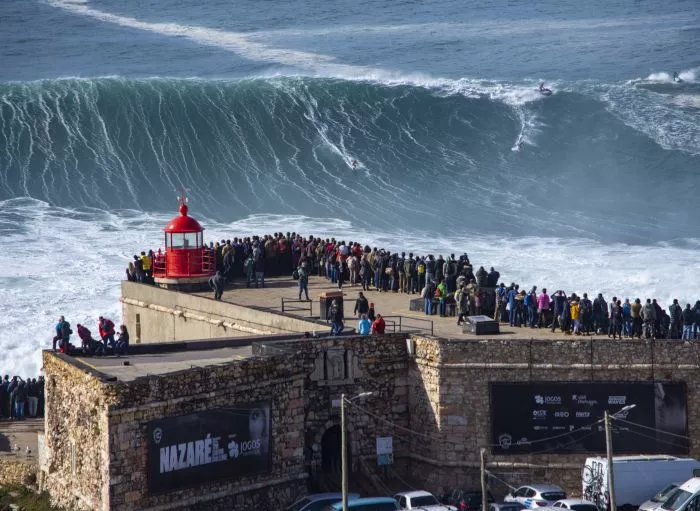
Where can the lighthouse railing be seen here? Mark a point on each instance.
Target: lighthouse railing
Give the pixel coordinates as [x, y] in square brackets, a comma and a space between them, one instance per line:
[184, 263]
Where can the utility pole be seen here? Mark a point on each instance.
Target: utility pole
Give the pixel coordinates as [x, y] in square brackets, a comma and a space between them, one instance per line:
[484, 500]
[611, 475]
[344, 452]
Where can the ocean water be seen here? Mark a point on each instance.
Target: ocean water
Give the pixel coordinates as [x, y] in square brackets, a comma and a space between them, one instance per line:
[258, 108]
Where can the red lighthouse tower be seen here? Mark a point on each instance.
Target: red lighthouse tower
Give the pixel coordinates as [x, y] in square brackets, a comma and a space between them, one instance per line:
[187, 263]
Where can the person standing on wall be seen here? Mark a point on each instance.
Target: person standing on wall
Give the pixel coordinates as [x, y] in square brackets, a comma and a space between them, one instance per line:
[106, 329]
[63, 333]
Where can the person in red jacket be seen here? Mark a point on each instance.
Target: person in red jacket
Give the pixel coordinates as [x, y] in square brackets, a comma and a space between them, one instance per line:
[378, 326]
[106, 331]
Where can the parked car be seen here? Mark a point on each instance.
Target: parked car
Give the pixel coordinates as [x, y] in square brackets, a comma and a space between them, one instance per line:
[423, 500]
[536, 495]
[367, 504]
[654, 503]
[572, 505]
[636, 477]
[465, 500]
[685, 498]
[506, 506]
[318, 501]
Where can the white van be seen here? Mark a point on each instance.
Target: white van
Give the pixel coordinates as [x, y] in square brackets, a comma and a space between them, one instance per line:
[687, 498]
[637, 478]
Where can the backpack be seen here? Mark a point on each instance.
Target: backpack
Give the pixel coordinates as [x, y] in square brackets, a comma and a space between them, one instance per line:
[421, 268]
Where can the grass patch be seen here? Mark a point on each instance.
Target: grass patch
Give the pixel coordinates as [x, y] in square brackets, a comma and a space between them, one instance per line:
[25, 499]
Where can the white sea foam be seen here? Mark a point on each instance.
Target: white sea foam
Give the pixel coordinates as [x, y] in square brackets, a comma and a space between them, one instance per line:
[664, 77]
[653, 112]
[59, 261]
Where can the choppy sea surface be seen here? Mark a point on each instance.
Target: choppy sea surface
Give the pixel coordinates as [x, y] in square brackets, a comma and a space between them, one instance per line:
[259, 108]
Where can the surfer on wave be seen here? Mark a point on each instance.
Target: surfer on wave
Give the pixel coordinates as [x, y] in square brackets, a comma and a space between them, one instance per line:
[676, 77]
[544, 90]
[354, 164]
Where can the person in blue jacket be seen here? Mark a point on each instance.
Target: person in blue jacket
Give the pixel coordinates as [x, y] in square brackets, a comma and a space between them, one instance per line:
[364, 326]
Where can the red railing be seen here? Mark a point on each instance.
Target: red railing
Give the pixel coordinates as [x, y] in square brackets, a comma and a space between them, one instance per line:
[178, 263]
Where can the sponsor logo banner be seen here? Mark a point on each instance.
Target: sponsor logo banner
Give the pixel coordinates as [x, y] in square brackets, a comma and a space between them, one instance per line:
[205, 446]
[565, 417]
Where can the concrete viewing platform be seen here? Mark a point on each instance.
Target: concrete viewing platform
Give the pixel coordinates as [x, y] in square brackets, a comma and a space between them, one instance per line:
[135, 366]
[388, 304]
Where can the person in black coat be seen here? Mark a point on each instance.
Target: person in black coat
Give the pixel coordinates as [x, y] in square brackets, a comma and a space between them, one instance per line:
[217, 283]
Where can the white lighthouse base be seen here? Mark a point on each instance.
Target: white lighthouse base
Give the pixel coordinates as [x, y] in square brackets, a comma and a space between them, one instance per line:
[183, 283]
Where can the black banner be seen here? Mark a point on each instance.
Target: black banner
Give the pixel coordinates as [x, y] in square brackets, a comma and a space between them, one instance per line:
[205, 446]
[558, 417]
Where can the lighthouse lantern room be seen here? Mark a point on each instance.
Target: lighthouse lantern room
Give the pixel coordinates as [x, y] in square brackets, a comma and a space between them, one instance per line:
[187, 263]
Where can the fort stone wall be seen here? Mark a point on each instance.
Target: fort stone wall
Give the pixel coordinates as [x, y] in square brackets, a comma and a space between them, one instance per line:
[455, 378]
[153, 314]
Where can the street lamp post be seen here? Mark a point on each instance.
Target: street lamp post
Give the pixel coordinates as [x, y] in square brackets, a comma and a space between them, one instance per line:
[344, 445]
[608, 448]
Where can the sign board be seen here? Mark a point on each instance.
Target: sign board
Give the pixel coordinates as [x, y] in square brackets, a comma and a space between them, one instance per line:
[385, 450]
[206, 446]
[564, 417]
[42, 453]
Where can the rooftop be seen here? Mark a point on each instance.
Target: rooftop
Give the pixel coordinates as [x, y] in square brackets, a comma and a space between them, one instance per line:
[136, 365]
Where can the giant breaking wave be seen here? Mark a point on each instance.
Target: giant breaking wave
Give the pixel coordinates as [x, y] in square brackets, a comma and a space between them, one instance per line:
[438, 156]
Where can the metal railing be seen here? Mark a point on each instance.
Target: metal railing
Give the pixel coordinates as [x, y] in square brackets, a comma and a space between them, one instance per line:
[308, 305]
[409, 324]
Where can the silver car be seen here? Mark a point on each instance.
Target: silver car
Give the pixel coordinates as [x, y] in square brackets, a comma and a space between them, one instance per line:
[534, 496]
[654, 503]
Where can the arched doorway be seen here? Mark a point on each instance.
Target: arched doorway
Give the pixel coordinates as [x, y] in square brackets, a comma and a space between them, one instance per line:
[331, 461]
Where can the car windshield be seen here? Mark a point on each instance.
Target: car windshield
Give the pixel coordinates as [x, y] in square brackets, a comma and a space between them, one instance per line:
[554, 495]
[298, 505]
[675, 501]
[584, 507]
[664, 494]
[425, 500]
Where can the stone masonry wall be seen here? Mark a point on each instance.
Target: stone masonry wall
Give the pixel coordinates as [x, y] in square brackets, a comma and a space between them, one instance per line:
[276, 379]
[464, 370]
[375, 364]
[76, 435]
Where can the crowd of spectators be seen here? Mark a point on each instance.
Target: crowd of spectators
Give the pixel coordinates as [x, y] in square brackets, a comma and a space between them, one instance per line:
[21, 398]
[579, 315]
[443, 283]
